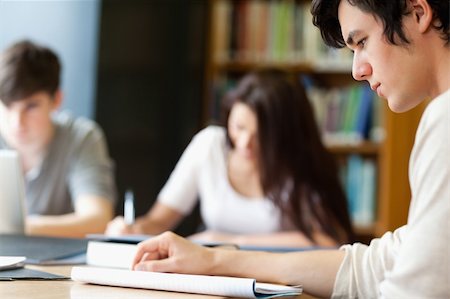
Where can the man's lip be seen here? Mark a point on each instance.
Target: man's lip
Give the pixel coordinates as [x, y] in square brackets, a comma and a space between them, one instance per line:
[375, 86]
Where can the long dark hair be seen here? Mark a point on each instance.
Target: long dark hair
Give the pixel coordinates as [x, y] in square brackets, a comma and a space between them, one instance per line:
[297, 173]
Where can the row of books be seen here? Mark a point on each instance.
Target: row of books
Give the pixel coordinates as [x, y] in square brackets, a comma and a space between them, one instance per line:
[359, 178]
[347, 115]
[270, 31]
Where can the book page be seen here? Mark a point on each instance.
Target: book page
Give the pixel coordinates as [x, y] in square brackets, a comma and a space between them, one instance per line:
[11, 262]
[276, 289]
[199, 284]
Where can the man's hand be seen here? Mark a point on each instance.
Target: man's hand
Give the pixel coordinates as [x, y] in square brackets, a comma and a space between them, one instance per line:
[169, 252]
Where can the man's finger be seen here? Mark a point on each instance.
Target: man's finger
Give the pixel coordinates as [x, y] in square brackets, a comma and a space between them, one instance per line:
[164, 265]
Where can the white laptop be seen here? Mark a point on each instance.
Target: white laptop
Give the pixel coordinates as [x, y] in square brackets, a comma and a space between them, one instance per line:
[12, 194]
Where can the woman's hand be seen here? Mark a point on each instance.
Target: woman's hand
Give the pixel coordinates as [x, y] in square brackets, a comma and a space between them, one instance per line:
[118, 227]
[169, 252]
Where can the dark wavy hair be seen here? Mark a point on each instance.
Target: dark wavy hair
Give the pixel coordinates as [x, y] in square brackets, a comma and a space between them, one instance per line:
[27, 68]
[297, 173]
[390, 12]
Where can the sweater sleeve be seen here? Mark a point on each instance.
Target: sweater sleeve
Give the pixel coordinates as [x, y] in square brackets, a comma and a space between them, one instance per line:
[364, 266]
[412, 262]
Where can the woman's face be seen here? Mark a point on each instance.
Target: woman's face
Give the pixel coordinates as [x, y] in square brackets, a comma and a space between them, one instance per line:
[243, 131]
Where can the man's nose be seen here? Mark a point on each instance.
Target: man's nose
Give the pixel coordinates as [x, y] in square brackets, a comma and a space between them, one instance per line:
[361, 69]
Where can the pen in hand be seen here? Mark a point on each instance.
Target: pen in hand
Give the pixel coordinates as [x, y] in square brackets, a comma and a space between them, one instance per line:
[128, 208]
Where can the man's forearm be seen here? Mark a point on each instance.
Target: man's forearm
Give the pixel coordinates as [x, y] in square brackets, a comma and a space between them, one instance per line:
[314, 270]
[68, 225]
[286, 238]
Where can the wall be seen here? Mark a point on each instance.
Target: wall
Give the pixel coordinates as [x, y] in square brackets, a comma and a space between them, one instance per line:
[70, 28]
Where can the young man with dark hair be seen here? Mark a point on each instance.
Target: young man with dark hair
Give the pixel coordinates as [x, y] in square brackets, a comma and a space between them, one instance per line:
[69, 176]
[401, 47]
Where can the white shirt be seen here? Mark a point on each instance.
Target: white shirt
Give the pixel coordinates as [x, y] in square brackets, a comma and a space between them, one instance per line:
[413, 261]
[201, 173]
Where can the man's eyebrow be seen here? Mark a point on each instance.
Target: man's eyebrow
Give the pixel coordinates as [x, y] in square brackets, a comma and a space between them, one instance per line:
[351, 37]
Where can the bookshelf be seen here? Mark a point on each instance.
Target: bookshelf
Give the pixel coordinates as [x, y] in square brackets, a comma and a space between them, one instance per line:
[245, 35]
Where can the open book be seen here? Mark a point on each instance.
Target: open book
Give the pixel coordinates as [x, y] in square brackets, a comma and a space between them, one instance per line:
[111, 254]
[106, 256]
[186, 283]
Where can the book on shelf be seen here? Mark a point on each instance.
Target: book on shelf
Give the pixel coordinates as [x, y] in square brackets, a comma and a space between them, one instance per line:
[220, 38]
[365, 112]
[360, 186]
[271, 31]
[110, 263]
[377, 132]
[365, 216]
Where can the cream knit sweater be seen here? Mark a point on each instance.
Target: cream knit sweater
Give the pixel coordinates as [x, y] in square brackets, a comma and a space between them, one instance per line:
[413, 261]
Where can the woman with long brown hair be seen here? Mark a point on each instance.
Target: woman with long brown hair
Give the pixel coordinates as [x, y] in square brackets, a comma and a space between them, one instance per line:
[263, 177]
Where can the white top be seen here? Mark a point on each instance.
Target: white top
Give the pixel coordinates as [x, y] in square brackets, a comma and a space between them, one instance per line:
[201, 173]
[413, 261]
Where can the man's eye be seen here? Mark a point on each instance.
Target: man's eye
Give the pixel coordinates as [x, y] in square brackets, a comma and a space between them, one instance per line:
[361, 43]
[31, 106]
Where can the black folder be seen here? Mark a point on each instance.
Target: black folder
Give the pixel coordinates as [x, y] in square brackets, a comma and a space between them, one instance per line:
[41, 250]
[28, 274]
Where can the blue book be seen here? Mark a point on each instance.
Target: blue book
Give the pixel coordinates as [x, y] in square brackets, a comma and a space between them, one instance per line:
[353, 183]
[364, 115]
[366, 207]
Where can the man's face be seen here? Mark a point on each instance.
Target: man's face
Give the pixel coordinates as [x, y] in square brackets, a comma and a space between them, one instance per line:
[394, 72]
[26, 124]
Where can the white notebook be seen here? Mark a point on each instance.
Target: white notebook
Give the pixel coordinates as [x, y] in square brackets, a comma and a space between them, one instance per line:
[109, 254]
[186, 283]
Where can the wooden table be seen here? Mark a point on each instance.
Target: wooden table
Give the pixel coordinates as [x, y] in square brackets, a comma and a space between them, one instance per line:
[65, 289]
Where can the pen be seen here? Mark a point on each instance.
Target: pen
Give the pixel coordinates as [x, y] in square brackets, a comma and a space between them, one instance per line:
[128, 208]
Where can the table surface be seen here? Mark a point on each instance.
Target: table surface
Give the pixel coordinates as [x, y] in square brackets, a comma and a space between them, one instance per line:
[65, 289]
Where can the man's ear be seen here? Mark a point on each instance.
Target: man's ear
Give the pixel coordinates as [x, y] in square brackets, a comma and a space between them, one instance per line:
[422, 13]
[57, 99]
